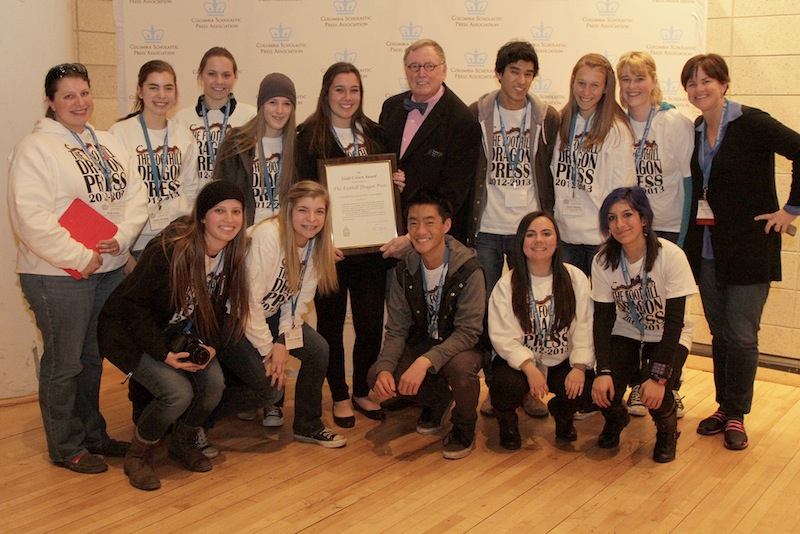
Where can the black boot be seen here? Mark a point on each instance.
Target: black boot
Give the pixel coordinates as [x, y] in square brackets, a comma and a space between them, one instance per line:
[563, 413]
[183, 449]
[666, 436]
[617, 418]
[139, 465]
[509, 429]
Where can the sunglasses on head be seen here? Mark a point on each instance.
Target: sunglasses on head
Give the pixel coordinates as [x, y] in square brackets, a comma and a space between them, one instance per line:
[67, 69]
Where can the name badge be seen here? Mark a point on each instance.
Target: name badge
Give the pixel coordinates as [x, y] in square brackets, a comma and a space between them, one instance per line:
[294, 338]
[572, 207]
[113, 212]
[159, 218]
[705, 215]
[516, 197]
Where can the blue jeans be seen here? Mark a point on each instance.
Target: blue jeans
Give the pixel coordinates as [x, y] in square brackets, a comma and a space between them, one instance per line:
[66, 312]
[734, 316]
[177, 394]
[493, 250]
[580, 256]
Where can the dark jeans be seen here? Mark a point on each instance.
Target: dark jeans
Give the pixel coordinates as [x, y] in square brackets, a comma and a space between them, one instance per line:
[246, 384]
[625, 363]
[580, 256]
[510, 387]
[177, 394]
[734, 315]
[66, 312]
[493, 250]
[459, 374]
[364, 277]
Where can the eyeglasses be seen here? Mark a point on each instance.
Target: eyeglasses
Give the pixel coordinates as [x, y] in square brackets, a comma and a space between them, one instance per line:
[414, 67]
[67, 69]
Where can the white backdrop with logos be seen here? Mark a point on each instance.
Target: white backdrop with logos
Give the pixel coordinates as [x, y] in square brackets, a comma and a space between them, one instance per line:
[301, 38]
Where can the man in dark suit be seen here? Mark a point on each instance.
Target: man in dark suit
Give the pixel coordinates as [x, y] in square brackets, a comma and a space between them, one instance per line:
[436, 138]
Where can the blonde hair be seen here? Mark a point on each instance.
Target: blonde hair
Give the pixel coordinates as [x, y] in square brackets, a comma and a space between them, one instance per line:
[641, 64]
[608, 113]
[323, 251]
[416, 45]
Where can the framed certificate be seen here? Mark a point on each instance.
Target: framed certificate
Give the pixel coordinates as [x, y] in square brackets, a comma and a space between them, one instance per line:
[365, 205]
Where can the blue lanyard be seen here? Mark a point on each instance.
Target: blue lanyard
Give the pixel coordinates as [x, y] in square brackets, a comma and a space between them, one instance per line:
[571, 151]
[506, 148]
[634, 314]
[157, 175]
[270, 181]
[295, 298]
[212, 154]
[541, 337]
[102, 162]
[437, 300]
[640, 148]
[705, 164]
[341, 146]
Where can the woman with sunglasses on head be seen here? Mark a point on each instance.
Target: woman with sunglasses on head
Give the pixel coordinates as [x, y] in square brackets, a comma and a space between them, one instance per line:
[338, 129]
[592, 157]
[662, 149]
[734, 237]
[217, 110]
[259, 156]
[65, 159]
[640, 284]
[540, 324]
[164, 153]
[163, 326]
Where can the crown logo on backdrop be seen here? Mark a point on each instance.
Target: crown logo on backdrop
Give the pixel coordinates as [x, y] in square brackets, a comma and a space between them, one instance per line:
[345, 7]
[411, 32]
[475, 58]
[541, 85]
[607, 8]
[214, 8]
[152, 34]
[403, 83]
[612, 58]
[671, 34]
[541, 32]
[346, 56]
[280, 32]
[476, 7]
[670, 86]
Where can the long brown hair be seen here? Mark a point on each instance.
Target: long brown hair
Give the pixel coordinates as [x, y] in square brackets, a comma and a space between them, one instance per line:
[563, 294]
[248, 137]
[322, 253]
[188, 276]
[320, 121]
[608, 113]
[155, 65]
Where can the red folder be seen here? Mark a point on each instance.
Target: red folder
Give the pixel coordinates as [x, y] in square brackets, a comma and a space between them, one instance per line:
[86, 226]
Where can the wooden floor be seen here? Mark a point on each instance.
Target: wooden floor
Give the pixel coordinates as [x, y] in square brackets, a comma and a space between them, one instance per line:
[389, 478]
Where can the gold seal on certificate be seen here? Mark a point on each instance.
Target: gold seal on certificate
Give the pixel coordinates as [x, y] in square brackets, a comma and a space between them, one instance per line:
[365, 206]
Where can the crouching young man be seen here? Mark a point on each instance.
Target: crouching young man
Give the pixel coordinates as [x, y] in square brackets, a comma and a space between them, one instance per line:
[436, 305]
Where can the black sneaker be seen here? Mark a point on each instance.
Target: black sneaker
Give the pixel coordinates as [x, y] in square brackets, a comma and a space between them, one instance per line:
[735, 436]
[712, 425]
[432, 417]
[458, 443]
[325, 437]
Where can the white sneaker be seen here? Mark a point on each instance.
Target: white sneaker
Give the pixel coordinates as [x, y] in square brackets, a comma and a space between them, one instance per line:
[248, 416]
[273, 416]
[680, 409]
[201, 443]
[584, 414]
[634, 404]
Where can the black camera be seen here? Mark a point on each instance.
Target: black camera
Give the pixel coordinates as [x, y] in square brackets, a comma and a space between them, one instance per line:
[188, 342]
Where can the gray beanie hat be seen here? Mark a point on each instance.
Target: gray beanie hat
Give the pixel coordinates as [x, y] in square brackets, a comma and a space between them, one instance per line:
[276, 84]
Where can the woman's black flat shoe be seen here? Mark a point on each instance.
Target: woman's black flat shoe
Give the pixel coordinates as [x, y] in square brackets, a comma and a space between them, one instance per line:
[375, 415]
[345, 422]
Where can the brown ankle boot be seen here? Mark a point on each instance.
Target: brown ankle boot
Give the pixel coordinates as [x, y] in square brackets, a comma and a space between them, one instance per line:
[139, 465]
[183, 449]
